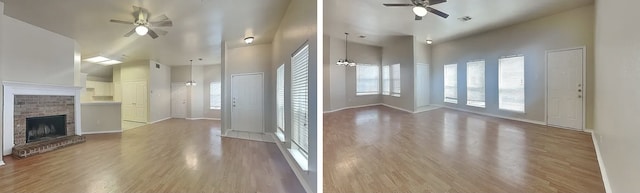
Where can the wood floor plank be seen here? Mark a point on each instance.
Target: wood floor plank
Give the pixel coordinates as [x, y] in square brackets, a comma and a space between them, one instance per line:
[379, 149]
[176, 155]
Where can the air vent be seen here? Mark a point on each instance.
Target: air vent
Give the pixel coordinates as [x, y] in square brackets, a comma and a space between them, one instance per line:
[465, 18]
[157, 65]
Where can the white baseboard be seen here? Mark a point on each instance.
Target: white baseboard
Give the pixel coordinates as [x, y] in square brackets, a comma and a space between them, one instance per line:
[397, 108]
[293, 164]
[496, 116]
[204, 118]
[426, 108]
[1, 162]
[352, 107]
[101, 132]
[164, 119]
[603, 170]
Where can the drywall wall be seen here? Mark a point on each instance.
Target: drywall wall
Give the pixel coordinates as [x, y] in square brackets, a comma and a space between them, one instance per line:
[298, 26]
[1, 66]
[35, 55]
[400, 51]
[212, 73]
[195, 94]
[252, 59]
[159, 91]
[326, 74]
[102, 117]
[342, 79]
[616, 104]
[573, 28]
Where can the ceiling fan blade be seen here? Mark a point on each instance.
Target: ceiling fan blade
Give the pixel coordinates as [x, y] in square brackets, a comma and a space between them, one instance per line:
[160, 32]
[437, 12]
[433, 2]
[398, 4]
[120, 21]
[152, 34]
[418, 18]
[163, 17]
[167, 23]
[130, 32]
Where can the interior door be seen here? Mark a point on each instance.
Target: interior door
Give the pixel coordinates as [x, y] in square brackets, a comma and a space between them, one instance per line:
[247, 102]
[565, 88]
[134, 101]
[178, 100]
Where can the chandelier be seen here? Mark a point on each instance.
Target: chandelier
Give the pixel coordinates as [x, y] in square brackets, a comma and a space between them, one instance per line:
[346, 61]
[191, 82]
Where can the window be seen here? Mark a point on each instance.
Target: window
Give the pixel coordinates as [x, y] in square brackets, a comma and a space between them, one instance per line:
[299, 100]
[451, 83]
[395, 80]
[367, 79]
[280, 102]
[475, 84]
[511, 84]
[214, 95]
[386, 87]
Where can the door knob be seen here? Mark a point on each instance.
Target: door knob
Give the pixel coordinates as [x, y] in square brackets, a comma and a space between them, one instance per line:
[579, 96]
[579, 90]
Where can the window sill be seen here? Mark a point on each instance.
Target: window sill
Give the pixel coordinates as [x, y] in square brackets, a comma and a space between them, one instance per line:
[451, 101]
[395, 95]
[366, 94]
[512, 111]
[302, 161]
[476, 105]
[280, 135]
[215, 108]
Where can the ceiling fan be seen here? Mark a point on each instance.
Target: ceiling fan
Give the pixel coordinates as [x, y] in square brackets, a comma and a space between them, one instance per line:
[143, 25]
[421, 7]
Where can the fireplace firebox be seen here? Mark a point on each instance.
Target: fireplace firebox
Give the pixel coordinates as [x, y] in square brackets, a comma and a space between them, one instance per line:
[48, 127]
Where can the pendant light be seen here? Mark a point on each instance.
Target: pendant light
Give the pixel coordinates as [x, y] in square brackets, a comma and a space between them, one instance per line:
[346, 61]
[191, 82]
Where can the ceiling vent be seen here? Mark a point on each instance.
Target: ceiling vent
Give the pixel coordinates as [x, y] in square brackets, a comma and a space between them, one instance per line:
[465, 18]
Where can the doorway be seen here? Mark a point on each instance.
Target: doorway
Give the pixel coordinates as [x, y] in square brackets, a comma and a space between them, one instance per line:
[565, 88]
[178, 100]
[247, 102]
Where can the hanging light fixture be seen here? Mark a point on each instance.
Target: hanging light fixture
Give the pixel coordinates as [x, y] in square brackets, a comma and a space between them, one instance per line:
[191, 82]
[346, 61]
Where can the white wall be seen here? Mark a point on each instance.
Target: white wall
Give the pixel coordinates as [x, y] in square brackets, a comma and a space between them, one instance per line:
[400, 51]
[573, 28]
[101, 117]
[297, 27]
[198, 96]
[341, 80]
[159, 91]
[616, 105]
[35, 55]
[211, 73]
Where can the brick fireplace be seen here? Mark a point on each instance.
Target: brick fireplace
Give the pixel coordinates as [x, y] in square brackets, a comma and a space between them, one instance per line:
[24, 101]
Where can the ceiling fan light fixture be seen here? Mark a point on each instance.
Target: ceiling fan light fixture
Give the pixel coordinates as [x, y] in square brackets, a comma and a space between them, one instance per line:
[420, 11]
[142, 30]
[248, 40]
[429, 42]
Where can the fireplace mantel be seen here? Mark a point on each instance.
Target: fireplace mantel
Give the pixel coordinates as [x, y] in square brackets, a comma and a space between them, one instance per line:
[18, 88]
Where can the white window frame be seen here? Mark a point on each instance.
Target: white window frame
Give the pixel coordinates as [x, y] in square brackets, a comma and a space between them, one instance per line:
[280, 122]
[299, 145]
[501, 106]
[359, 80]
[386, 80]
[213, 95]
[483, 103]
[396, 77]
[455, 69]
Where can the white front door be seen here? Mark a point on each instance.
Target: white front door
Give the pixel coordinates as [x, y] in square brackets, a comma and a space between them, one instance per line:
[178, 100]
[134, 101]
[565, 88]
[247, 102]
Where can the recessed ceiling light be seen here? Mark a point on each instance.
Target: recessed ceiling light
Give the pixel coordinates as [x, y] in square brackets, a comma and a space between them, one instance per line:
[110, 62]
[96, 59]
[248, 40]
[429, 42]
[465, 18]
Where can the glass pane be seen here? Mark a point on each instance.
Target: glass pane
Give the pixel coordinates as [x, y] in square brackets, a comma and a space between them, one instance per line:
[451, 83]
[511, 84]
[475, 84]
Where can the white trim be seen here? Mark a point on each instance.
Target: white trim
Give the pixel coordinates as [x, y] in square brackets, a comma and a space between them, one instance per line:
[603, 170]
[397, 108]
[203, 118]
[352, 107]
[584, 85]
[164, 119]
[496, 116]
[17, 88]
[101, 132]
[293, 164]
[426, 108]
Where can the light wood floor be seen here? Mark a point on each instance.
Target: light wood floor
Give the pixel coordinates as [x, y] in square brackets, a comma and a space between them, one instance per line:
[171, 156]
[378, 149]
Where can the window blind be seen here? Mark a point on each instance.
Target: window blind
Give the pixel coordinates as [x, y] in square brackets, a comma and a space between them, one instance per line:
[215, 97]
[395, 80]
[367, 79]
[300, 98]
[451, 83]
[511, 84]
[280, 97]
[386, 81]
[475, 84]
